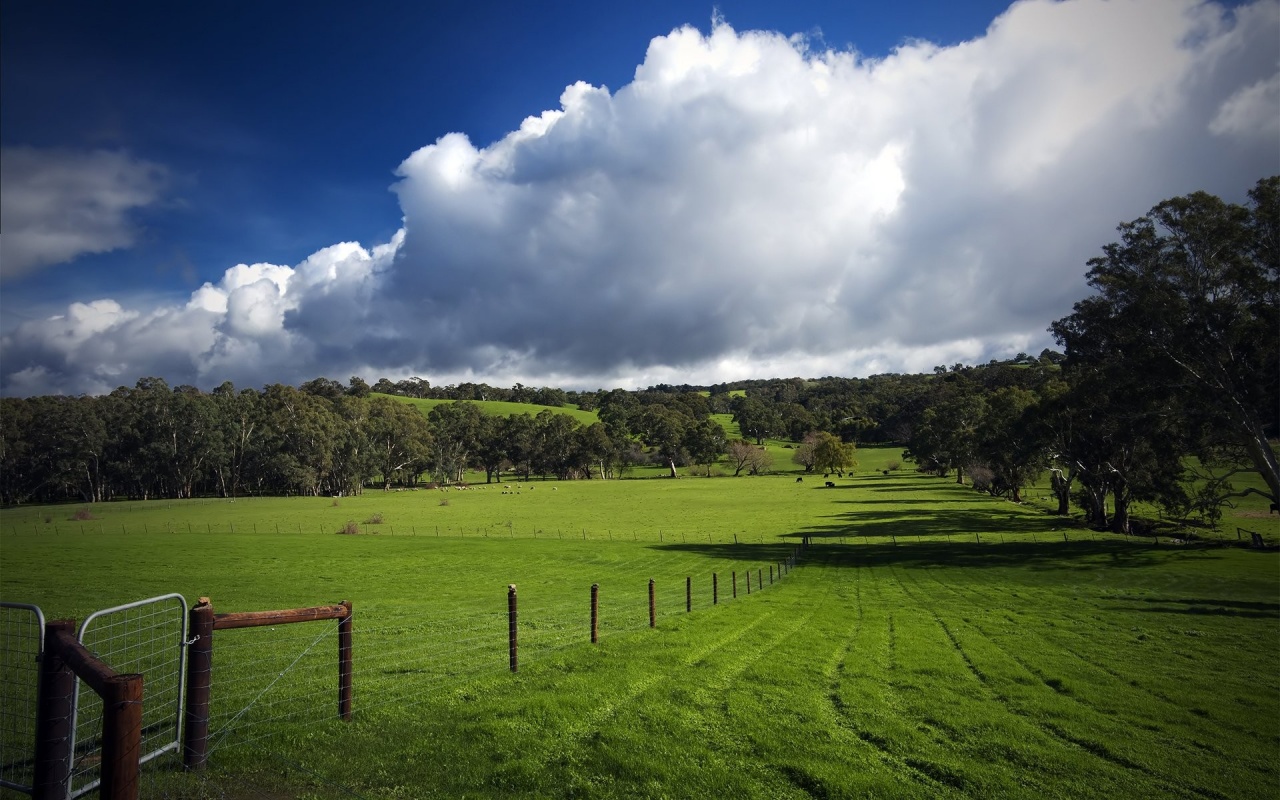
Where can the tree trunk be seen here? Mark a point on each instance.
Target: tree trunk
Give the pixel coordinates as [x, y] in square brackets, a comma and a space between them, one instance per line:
[1120, 519]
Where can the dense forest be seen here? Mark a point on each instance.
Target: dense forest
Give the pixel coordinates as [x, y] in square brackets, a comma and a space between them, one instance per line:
[1167, 386]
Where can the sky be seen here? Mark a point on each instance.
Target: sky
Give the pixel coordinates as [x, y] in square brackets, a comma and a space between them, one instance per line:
[591, 195]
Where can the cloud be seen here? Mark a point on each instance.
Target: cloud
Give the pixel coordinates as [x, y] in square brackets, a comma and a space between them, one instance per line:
[748, 207]
[57, 204]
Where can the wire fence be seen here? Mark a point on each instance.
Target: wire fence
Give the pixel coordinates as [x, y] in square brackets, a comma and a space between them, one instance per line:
[21, 643]
[146, 638]
[280, 679]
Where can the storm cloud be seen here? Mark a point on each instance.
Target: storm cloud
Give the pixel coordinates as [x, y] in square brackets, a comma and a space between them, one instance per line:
[747, 206]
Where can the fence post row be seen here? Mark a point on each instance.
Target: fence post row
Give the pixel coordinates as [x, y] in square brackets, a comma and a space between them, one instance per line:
[65, 658]
[203, 622]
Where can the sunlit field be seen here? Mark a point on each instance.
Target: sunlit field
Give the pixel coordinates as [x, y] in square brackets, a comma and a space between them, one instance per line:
[931, 641]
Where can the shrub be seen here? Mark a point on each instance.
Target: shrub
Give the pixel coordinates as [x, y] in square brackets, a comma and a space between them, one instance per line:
[335, 503]
[350, 529]
[376, 519]
[444, 501]
[81, 515]
[893, 466]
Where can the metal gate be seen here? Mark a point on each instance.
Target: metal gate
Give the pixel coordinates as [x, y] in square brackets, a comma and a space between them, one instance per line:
[146, 637]
[21, 644]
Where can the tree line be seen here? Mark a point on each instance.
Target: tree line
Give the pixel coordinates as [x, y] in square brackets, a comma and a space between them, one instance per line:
[1168, 384]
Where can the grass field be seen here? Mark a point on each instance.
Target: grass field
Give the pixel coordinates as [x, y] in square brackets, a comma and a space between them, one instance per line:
[501, 408]
[933, 642]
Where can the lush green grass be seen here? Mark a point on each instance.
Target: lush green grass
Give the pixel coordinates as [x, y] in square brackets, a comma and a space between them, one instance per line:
[935, 642]
[500, 408]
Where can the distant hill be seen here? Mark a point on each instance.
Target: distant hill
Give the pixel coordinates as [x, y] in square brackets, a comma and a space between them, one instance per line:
[499, 408]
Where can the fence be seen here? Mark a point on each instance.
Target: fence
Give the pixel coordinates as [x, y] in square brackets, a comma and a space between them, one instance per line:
[200, 664]
[408, 657]
[21, 646]
[147, 638]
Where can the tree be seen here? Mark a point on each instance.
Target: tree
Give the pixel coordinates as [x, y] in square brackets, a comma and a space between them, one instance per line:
[663, 429]
[832, 455]
[1008, 446]
[756, 419]
[741, 454]
[456, 429]
[399, 438]
[1190, 298]
[803, 454]
[704, 441]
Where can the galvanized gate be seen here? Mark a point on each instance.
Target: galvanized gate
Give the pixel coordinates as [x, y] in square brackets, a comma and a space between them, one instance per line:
[147, 637]
[21, 644]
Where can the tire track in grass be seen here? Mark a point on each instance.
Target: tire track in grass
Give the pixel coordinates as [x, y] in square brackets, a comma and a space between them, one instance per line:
[1197, 720]
[1194, 719]
[840, 716]
[1094, 748]
[568, 742]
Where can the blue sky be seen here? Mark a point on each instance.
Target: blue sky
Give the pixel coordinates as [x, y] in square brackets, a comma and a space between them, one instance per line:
[271, 192]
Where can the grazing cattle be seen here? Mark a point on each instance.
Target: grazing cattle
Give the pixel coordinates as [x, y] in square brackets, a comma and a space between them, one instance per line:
[799, 480]
[831, 484]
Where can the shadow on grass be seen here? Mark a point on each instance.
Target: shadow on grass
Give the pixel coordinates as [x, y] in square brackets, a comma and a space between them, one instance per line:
[1216, 608]
[933, 522]
[1056, 555]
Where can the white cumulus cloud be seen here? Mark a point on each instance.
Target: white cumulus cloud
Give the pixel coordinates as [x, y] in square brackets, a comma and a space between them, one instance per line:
[751, 206]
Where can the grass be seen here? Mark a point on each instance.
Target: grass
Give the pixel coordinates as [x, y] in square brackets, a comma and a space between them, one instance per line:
[934, 643]
[501, 408]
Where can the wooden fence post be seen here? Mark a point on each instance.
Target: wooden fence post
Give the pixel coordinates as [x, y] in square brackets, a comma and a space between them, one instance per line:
[344, 663]
[715, 590]
[770, 574]
[57, 688]
[595, 613]
[122, 737]
[688, 593]
[511, 625]
[653, 617]
[195, 729]
[735, 584]
[760, 578]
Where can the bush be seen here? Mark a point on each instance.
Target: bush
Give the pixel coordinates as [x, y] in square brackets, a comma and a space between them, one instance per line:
[335, 503]
[444, 501]
[350, 529]
[376, 519]
[893, 466]
[81, 515]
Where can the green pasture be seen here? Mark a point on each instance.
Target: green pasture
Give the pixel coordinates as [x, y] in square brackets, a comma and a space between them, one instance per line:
[932, 641]
[501, 408]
